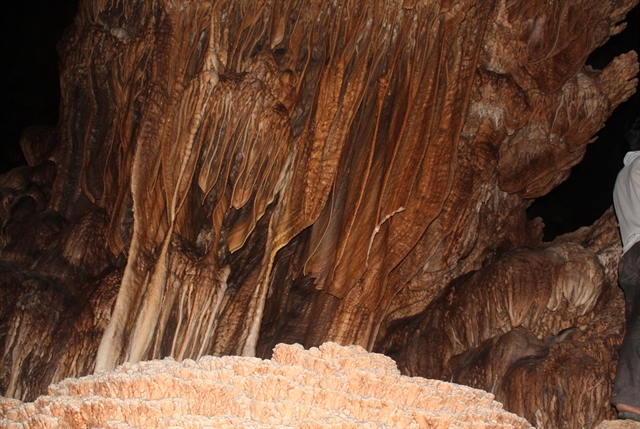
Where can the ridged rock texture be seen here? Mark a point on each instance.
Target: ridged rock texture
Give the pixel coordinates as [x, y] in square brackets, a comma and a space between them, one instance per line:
[618, 424]
[326, 387]
[231, 175]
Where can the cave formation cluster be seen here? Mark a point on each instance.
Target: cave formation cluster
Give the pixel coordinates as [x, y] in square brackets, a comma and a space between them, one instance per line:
[227, 176]
[321, 388]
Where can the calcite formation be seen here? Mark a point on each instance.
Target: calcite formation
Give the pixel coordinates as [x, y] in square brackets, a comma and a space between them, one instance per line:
[326, 387]
[231, 175]
[522, 326]
[618, 424]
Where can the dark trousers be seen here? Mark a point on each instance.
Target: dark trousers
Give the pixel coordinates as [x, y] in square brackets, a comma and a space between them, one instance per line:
[627, 387]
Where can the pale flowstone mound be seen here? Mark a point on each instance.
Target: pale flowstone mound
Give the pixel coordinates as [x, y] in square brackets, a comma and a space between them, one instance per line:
[329, 386]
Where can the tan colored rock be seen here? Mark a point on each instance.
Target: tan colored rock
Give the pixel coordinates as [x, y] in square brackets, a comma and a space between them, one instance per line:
[326, 387]
[618, 424]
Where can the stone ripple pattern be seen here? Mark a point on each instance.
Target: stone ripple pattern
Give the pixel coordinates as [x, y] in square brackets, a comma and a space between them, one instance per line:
[330, 386]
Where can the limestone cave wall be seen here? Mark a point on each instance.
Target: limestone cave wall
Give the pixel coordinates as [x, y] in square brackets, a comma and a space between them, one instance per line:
[226, 176]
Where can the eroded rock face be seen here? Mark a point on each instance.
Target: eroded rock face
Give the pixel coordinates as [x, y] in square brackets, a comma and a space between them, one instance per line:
[618, 424]
[228, 176]
[521, 327]
[326, 387]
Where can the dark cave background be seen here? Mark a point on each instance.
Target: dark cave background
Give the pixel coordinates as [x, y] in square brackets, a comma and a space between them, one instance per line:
[29, 78]
[30, 95]
[588, 192]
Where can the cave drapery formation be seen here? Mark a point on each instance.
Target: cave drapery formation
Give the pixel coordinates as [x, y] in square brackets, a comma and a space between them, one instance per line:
[226, 176]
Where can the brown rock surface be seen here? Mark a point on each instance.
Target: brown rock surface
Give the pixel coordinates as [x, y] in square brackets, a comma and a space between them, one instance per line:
[231, 175]
[523, 325]
[326, 387]
[618, 424]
